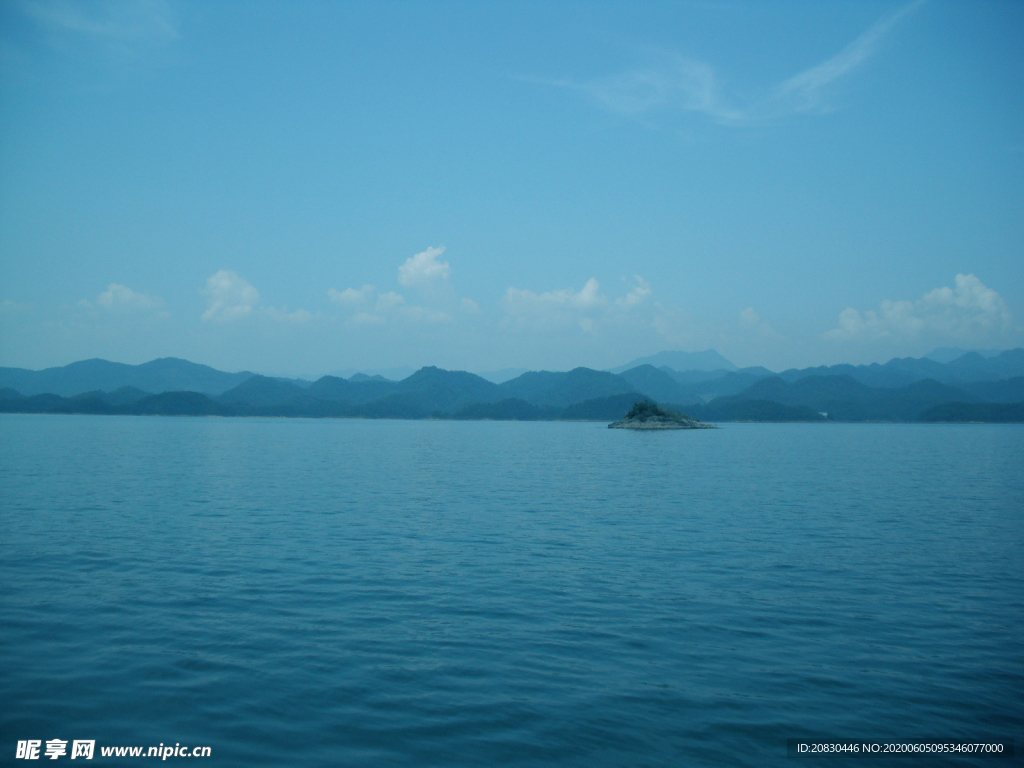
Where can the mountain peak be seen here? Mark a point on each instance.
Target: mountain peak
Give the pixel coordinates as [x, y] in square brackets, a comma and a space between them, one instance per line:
[708, 360]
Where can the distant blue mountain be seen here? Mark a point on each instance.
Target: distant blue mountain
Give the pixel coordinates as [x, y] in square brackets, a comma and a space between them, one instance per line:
[707, 385]
[708, 360]
[262, 390]
[658, 384]
[837, 398]
[901, 371]
[438, 390]
[167, 374]
[984, 412]
[562, 389]
[949, 354]
[900, 390]
[1002, 391]
[391, 374]
[353, 391]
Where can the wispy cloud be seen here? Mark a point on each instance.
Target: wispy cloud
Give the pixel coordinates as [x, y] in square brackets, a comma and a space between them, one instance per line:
[806, 91]
[108, 19]
[11, 307]
[670, 81]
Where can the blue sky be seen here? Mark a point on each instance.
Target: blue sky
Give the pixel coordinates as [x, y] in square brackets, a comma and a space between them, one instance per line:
[296, 188]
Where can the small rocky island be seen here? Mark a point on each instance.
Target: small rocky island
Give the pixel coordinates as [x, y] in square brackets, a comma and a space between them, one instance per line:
[647, 415]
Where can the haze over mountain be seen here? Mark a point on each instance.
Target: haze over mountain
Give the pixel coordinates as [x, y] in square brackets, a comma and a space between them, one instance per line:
[901, 371]
[949, 354]
[708, 360]
[503, 374]
[162, 375]
[901, 390]
[395, 373]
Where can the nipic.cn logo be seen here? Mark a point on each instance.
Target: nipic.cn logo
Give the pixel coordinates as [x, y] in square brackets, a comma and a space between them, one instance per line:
[33, 749]
[29, 749]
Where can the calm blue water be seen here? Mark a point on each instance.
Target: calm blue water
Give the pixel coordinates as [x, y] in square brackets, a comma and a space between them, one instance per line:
[322, 592]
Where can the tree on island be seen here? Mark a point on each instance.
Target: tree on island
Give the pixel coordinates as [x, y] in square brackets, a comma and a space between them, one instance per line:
[647, 414]
[644, 410]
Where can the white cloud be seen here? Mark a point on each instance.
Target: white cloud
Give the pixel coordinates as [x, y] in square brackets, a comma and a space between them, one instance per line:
[351, 297]
[298, 316]
[424, 315]
[121, 298]
[427, 275]
[10, 307]
[524, 302]
[587, 309]
[751, 322]
[393, 305]
[638, 295]
[388, 301]
[971, 312]
[367, 318]
[390, 307]
[229, 297]
[423, 268]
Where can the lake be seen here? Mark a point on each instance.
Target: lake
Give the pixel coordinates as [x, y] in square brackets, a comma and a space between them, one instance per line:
[435, 593]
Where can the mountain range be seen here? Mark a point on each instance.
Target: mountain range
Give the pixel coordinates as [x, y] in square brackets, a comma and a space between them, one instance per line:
[167, 374]
[904, 389]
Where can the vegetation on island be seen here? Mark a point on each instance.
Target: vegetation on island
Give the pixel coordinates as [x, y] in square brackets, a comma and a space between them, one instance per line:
[646, 414]
[647, 410]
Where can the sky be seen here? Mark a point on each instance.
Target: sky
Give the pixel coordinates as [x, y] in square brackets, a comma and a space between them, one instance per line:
[299, 188]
